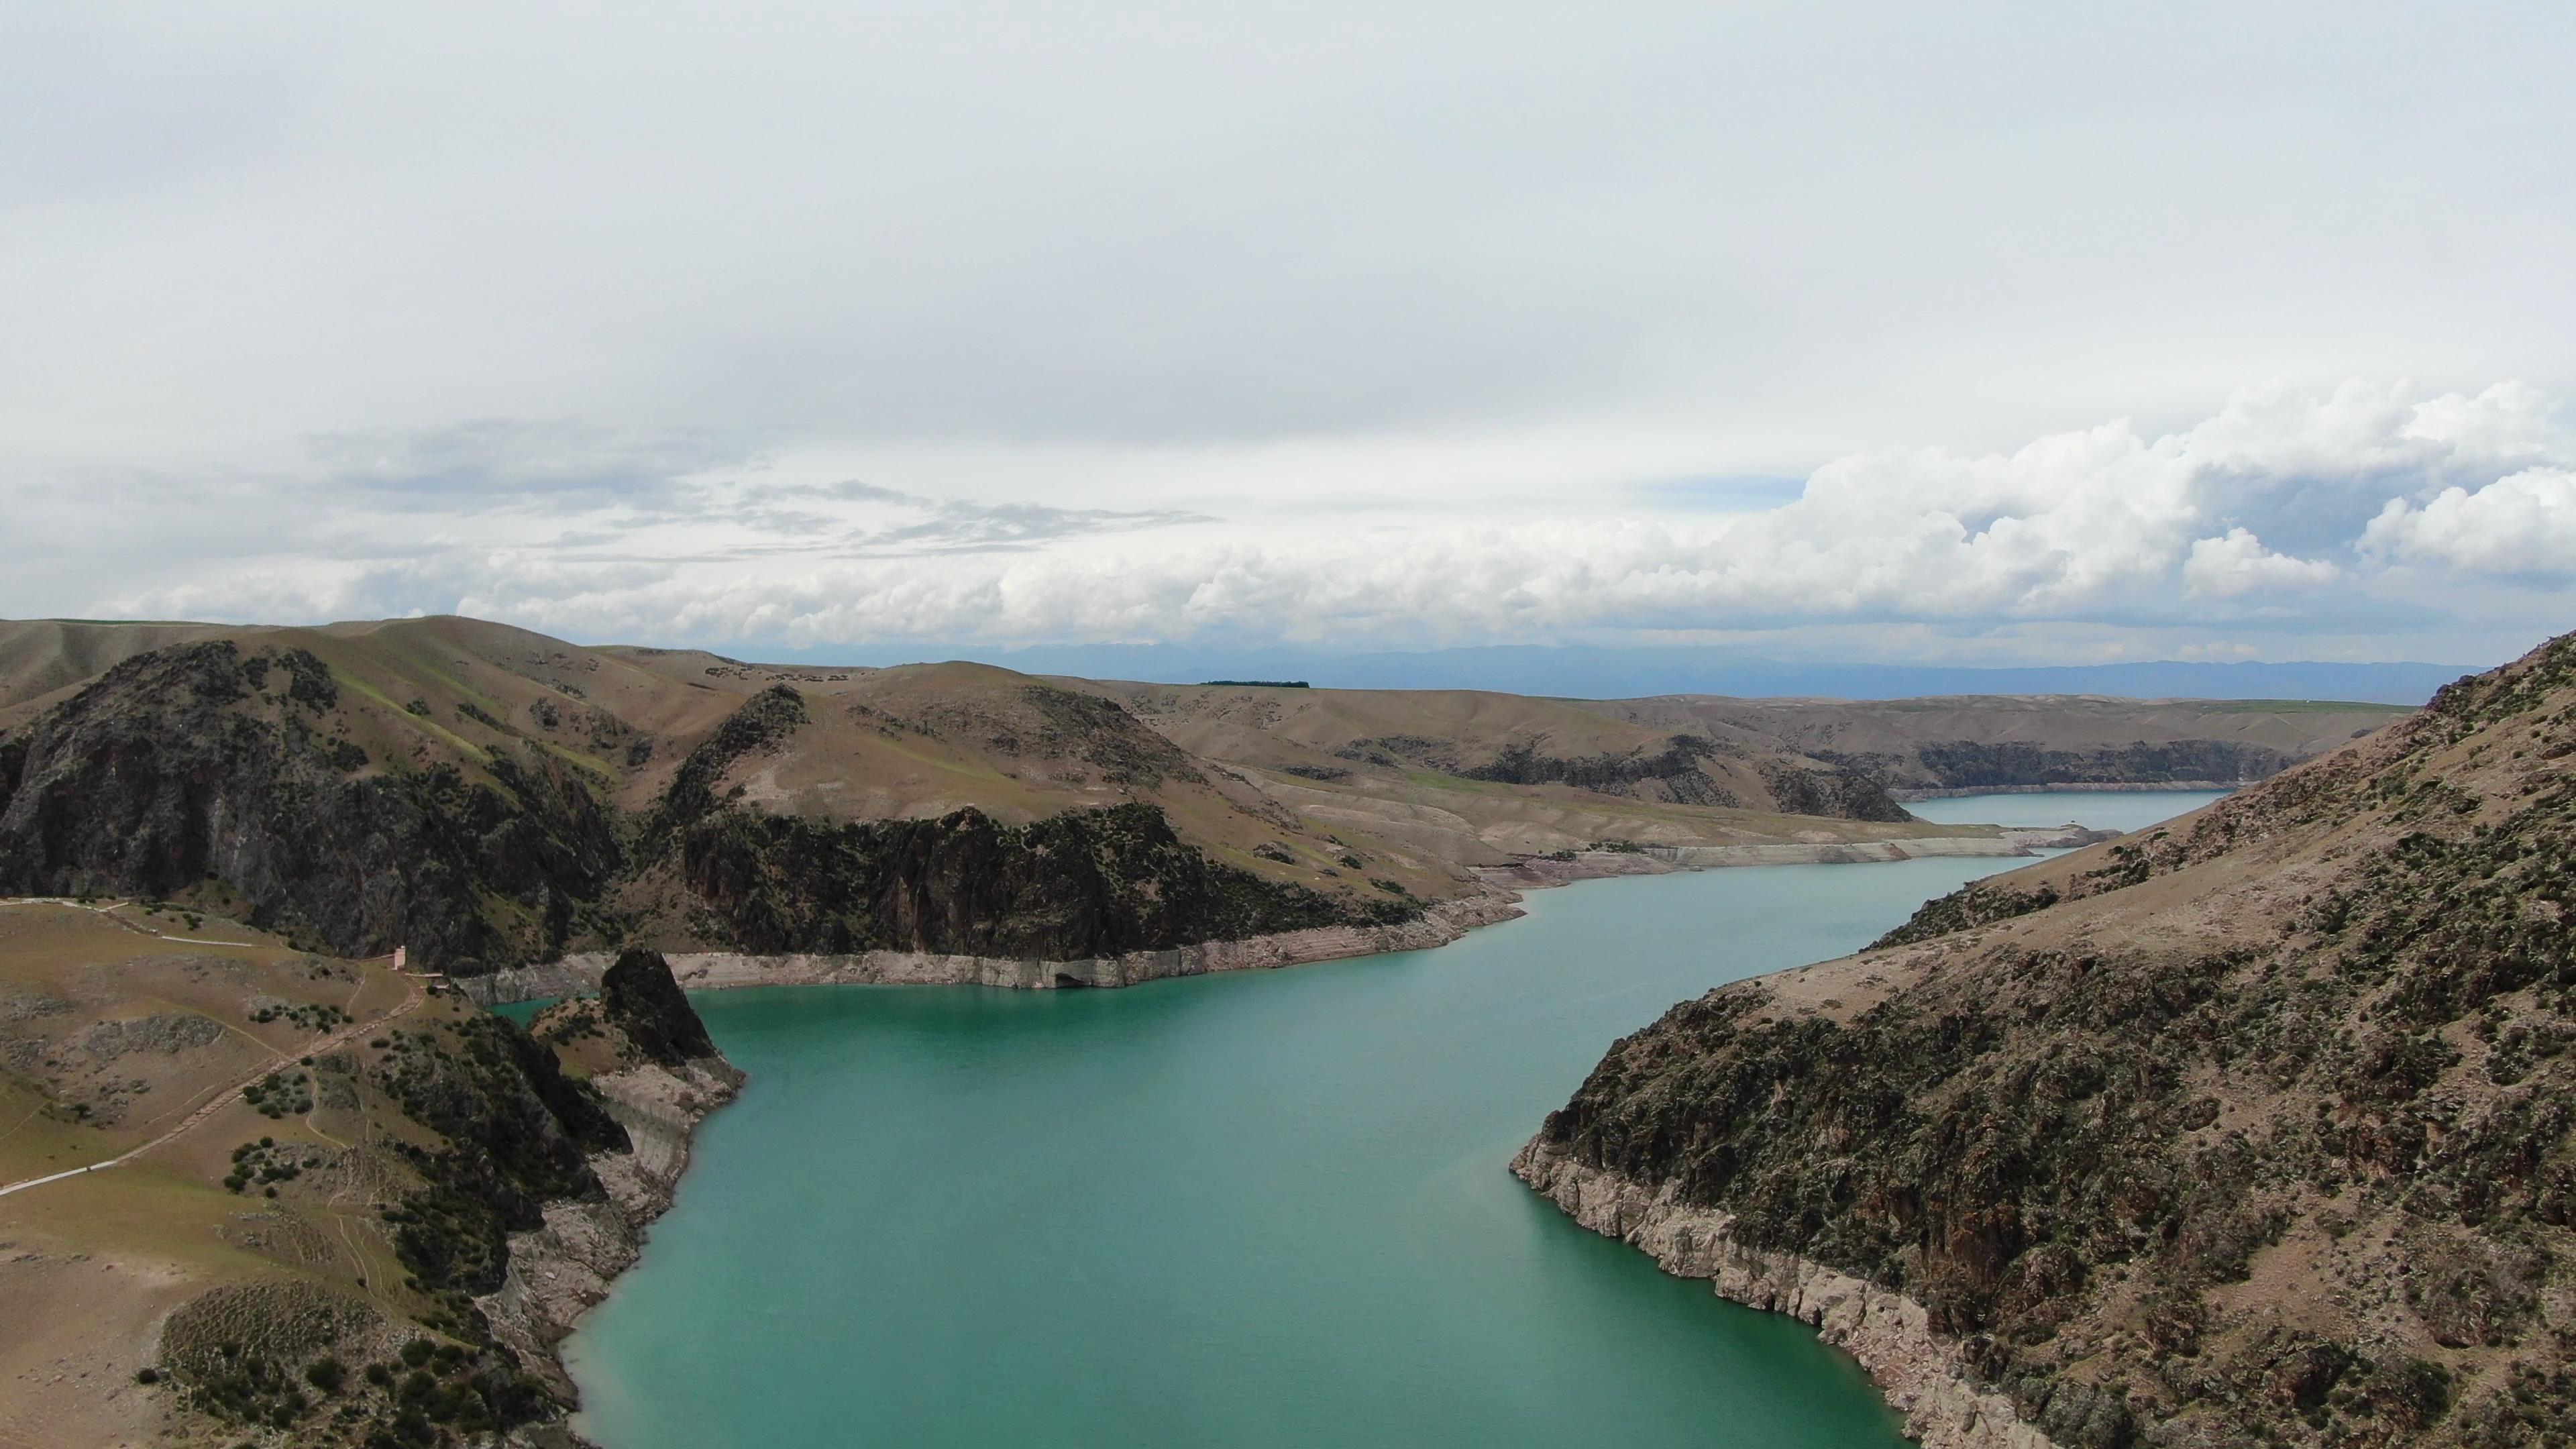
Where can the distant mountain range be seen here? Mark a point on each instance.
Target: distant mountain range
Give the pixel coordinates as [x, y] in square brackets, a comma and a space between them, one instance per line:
[1585, 673]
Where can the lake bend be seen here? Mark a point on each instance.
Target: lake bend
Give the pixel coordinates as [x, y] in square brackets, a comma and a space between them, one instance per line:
[1259, 1209]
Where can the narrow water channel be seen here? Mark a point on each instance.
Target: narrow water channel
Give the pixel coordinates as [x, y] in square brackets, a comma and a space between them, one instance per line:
[1233, 1212]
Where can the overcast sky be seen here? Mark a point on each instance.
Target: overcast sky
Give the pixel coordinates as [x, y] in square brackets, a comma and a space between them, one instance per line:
[1987, 334]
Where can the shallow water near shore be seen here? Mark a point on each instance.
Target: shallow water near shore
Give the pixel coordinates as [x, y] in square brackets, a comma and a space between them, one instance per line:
[1266, 1209]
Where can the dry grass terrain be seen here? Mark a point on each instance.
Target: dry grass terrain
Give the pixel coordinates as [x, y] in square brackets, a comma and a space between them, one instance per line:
[109, 1037]
[2259, 1128]
[337, 1170]
[491, 795]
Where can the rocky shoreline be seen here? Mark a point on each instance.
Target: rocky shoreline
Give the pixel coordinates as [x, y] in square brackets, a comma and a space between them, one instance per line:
[1497, 899]
[564, 1269]
[667, 1078]
[1920, 1371]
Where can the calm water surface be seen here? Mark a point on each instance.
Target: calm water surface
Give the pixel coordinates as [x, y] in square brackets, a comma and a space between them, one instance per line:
[2100, 809]
[1266, 1209]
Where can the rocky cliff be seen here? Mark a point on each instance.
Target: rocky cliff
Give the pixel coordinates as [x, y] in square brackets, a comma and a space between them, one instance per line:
[653, 1071]
[1082, 884]
[2255, 1130]
[1965, 766]
[238, 777]
[206, 763]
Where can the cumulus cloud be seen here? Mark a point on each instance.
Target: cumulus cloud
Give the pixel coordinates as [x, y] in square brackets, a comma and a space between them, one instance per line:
[2239, 564]
[2104, 526]
[1341, 320]
[2522, 524]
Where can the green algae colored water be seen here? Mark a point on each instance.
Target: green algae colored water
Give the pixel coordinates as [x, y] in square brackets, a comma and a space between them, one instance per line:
[1268, 1209]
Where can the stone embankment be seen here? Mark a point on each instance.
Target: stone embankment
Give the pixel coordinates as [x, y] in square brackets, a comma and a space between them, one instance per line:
[1919, 1371]
[1496, 899]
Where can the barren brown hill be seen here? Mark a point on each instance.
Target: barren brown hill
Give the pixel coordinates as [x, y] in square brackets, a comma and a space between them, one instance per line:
[1961, 744]
[2255, 1130]
[491, 796]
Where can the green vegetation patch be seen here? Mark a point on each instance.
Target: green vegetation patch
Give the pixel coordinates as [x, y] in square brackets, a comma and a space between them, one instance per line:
[281, 1094]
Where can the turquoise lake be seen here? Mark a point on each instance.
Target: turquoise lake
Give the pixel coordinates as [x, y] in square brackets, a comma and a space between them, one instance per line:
[1266, 1209]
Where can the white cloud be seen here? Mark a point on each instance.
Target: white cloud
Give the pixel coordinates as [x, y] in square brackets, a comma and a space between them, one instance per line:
[2522, 524]
[1340, 320]
[2094, 527]
[2238, 564]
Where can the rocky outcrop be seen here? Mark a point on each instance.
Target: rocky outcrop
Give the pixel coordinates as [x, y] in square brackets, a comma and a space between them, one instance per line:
[667, 1077]
[761, 725]
[1681, 772]
[1672, 773]
[1436, 925]
[641, 1000]
[199, 763]
[1835, 792]
[2253, 1129]
[564, 1267]
[1082, 885]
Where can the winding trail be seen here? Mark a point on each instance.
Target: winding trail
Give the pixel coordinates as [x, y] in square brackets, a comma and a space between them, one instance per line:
[415, 992]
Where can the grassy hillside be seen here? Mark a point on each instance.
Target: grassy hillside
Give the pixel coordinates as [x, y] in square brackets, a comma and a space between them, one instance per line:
[332, 1165]
[2256, 1130]
[489, 796]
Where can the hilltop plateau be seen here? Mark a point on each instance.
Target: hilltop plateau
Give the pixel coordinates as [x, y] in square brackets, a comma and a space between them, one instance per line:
[2253, 1130]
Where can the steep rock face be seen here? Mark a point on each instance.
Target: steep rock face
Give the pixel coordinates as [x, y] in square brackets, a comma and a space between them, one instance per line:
[2256, 1129]
[522, 1190]
[1837, 793]
[198, 763]
[642, 1000]
[656, 1075]
[1966, 765]
[517, 1133]
[1081, 884]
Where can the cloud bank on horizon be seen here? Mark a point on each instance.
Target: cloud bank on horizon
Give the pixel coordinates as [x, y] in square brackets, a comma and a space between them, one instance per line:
[1995, 337]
